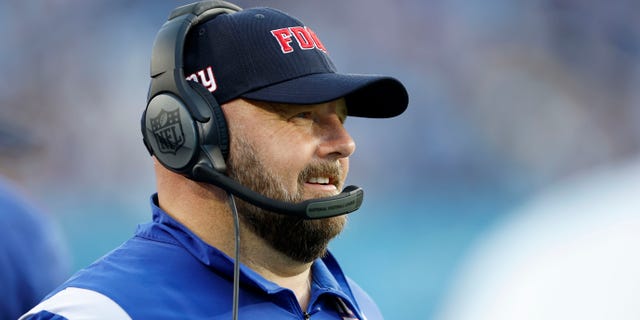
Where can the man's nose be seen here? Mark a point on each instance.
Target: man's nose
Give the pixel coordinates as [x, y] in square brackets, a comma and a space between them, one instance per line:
[336, 141]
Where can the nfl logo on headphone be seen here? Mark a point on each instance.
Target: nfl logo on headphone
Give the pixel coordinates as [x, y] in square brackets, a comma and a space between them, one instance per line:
[167, 129]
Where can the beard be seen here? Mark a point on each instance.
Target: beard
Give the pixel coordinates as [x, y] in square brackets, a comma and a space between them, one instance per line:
[299, 239]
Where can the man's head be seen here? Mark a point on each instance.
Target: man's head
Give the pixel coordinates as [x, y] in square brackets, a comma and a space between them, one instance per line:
[284, 106]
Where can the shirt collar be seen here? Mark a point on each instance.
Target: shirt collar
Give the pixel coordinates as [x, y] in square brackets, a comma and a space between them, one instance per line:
[327, 274]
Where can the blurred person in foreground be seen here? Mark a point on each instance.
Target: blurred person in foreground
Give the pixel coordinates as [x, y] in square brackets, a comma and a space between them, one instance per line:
[246, 104]
[33, 258]
[570, 252]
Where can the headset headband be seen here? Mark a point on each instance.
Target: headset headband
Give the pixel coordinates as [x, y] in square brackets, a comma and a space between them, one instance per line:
[168, 49]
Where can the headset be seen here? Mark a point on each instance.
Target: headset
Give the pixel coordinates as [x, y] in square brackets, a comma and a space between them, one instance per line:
[184, 127]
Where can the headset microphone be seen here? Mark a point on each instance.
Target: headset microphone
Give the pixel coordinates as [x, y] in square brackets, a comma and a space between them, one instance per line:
[348, 201]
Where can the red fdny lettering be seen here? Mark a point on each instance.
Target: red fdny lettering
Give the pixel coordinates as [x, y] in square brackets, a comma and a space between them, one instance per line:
[284, 38]
[316, 40]
[305, 37]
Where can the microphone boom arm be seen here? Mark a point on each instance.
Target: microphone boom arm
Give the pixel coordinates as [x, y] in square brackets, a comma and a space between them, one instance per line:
[346, 202]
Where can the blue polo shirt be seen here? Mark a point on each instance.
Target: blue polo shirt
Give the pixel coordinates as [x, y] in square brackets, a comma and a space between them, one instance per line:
[166, 272]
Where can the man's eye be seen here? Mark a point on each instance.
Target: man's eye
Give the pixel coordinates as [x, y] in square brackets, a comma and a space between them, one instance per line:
[304, 115]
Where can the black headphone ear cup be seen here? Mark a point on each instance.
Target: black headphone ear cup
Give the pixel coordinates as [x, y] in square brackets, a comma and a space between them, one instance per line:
[170, 132]
[215, 132]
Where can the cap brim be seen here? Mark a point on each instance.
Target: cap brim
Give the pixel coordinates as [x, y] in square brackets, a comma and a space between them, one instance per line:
[370, 96]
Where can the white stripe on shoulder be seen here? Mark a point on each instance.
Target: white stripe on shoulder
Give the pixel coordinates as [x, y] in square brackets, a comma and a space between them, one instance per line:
[76, 303]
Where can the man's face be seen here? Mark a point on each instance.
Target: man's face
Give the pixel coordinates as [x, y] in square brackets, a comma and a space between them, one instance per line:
[290, 153]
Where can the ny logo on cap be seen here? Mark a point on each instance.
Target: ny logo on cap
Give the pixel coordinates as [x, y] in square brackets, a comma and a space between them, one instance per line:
[306, 38]
[207, 80]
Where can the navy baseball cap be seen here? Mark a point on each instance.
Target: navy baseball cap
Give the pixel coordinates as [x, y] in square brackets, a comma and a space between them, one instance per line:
[264, 54]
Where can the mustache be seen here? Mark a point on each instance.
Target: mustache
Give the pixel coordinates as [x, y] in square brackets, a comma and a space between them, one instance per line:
[332, 170]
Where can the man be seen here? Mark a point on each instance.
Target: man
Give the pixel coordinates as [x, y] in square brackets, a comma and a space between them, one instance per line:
[33, 258]
[257, 113]
[28, 241]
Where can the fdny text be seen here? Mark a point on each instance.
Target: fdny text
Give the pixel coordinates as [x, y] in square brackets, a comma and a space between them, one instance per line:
[305, 37]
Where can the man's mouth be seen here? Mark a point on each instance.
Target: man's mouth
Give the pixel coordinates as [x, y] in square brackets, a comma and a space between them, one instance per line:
[322, 179]
[318, 180]
[323, 184]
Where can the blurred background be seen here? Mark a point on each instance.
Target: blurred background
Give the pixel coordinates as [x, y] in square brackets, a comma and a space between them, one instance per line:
[506, 189]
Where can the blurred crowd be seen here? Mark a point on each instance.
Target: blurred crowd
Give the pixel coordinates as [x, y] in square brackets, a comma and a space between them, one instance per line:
[520, 92]
[506, 97]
